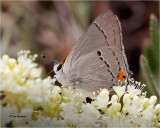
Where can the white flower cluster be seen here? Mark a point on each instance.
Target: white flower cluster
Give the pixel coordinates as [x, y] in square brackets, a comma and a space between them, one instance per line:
[21, 87]
[67, 107]
[123, 109]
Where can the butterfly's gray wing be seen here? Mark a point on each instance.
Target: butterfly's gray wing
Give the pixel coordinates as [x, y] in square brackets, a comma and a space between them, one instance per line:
[104, 31]
[86, 66]
[98, 69]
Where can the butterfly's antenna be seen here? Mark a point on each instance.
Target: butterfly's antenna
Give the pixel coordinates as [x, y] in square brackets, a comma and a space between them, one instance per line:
[44, 57]
[49, 73]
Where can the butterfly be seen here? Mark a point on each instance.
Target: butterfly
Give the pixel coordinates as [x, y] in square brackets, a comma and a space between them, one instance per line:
[98, 59]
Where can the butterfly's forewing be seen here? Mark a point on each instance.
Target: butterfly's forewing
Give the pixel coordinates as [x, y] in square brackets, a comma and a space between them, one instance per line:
[87, 43]
[98, 59]
[109, 26]
[105, 30]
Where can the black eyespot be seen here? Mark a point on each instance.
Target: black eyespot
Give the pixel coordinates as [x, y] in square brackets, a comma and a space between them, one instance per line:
[124, 77]
[99, 53]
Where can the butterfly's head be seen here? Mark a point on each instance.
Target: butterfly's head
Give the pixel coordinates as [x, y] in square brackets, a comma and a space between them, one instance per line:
[57, 67]
[59, 73]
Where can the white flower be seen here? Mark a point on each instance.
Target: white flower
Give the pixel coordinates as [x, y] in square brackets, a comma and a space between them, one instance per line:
[49, 122]
[153, 100]
[22, 86]
[89, 116]
[101, 100]
[70, 113]
[7, 114]
[20, 78]
[119, 122]
[23, 117]
[55, 92]
[119, 90]
[132, 91]
[90, 110]
[51, 106]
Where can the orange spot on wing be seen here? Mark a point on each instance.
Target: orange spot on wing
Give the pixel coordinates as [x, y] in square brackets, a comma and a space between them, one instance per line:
[121, 75]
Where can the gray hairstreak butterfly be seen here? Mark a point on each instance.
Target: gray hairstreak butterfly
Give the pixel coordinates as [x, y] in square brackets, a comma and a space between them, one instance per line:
[98, 59]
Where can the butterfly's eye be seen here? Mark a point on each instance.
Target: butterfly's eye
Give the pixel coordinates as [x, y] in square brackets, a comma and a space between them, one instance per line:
[59, 67]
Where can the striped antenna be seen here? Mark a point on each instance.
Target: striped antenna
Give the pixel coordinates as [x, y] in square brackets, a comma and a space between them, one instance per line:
[44, 57]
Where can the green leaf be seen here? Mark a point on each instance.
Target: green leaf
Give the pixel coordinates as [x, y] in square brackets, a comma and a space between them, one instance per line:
[152, 59]
[151, 50]
[148, 76]
[154, 31]
[154, 52]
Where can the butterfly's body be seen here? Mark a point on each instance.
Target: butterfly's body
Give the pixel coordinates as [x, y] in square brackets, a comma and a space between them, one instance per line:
[98, 59]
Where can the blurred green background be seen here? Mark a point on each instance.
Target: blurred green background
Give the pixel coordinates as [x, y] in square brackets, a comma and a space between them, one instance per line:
[52, 27]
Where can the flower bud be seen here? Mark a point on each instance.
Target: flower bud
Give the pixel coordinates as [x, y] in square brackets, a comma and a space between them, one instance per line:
[153, 100]
[103, 94]
[125, 110]
[119, 90]
[116, 107]
[114, 98]
[56, 90]
[12, 63]
[16, 71]
[5, 58]
[157, 109]
[146, 102]
[136, 98]
[125, 98]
